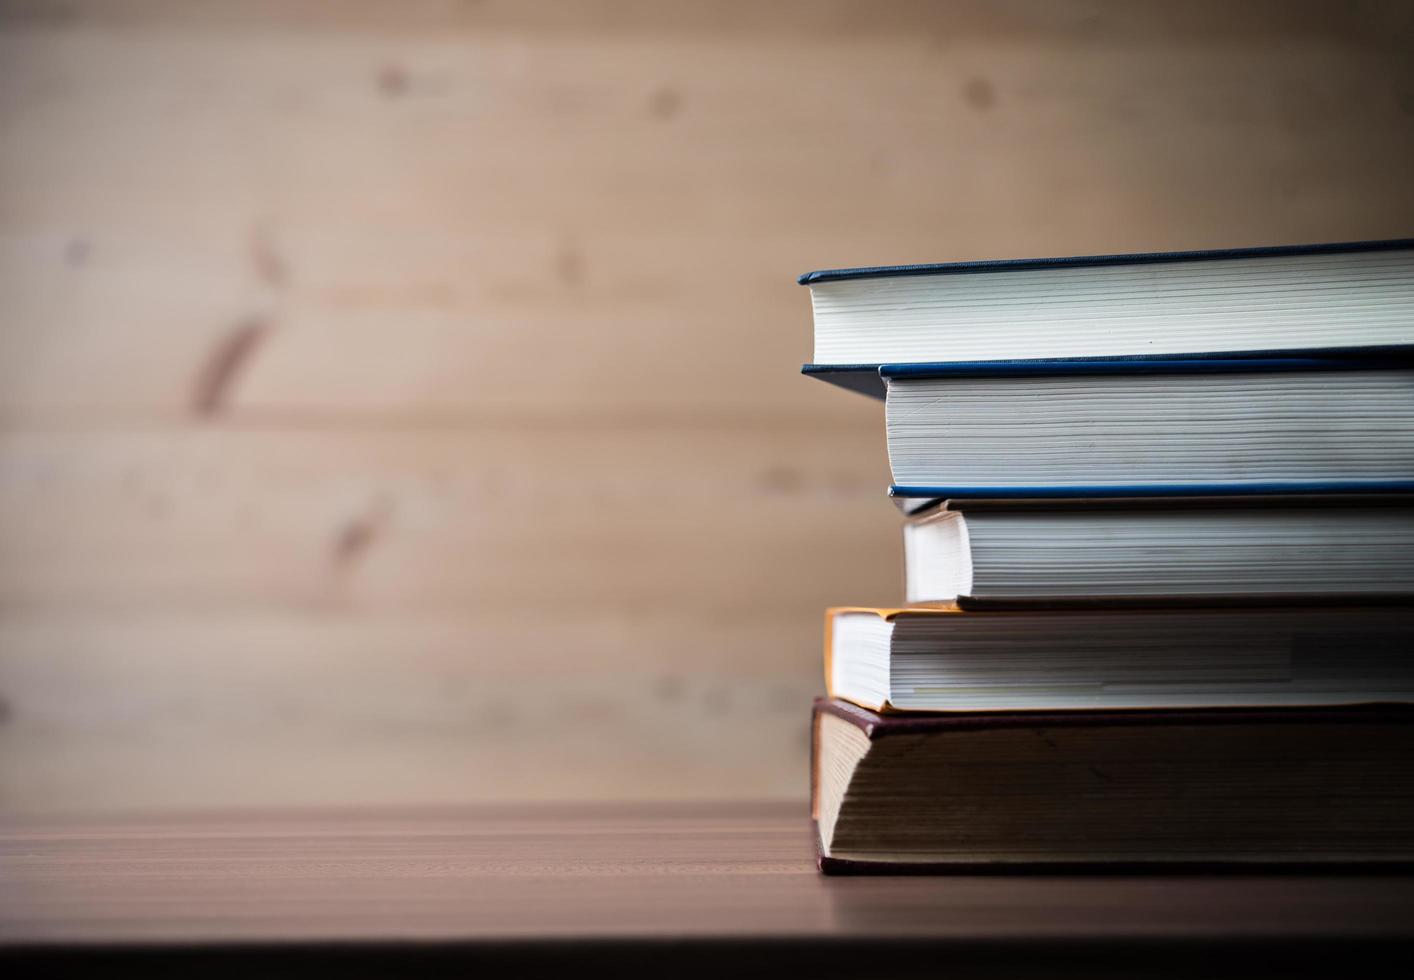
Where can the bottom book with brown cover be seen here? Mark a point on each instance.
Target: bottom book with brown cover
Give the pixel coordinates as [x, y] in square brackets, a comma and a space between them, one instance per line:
[1112, 790]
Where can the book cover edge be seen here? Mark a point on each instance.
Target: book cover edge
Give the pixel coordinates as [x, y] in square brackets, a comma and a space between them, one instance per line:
[1111, 259]
[1313, 488]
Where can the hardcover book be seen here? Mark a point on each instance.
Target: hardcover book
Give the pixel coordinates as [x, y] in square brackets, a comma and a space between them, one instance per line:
[950, 659]
[982, 552]
[1111, 790]
[1156, 428]
[1351, 297]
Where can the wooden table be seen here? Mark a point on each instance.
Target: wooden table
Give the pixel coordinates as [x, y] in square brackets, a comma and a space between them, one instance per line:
[676, 889]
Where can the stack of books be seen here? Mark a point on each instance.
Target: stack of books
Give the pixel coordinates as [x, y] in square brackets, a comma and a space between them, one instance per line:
[1159, 549]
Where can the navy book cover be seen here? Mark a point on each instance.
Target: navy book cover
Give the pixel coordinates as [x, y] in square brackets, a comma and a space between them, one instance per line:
[864, 378]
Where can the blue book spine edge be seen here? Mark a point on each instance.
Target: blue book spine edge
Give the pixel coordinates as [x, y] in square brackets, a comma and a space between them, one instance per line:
[868, 378]
[1399, 359]
[1270, 488]
[1088, 261]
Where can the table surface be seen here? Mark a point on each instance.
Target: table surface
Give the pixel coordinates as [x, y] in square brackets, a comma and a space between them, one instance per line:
[734, 877]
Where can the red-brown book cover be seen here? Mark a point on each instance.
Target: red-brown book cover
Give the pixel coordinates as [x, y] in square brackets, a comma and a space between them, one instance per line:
[1380, 720]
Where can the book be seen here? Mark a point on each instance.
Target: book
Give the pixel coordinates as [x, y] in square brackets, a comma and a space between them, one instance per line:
[950, 659]
[1111, 790]
[980, 552]
[1160, 428]
[1351, 296]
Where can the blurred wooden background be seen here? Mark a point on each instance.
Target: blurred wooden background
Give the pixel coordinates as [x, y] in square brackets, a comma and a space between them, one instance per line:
[398, 402]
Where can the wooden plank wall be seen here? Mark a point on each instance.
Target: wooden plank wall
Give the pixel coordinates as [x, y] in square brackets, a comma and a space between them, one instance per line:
[398, 401]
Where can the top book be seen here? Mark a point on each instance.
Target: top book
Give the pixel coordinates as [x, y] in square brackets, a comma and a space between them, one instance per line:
[1351, 296]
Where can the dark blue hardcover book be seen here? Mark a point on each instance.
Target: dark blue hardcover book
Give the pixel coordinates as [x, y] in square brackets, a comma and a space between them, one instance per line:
[1348, 299]
[1156, 428]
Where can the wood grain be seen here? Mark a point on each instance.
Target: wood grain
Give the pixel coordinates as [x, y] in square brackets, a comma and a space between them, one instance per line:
[713, 870]
[529, 218]
[368, 368]
[351, 617]
[703, 521]
[116, 712]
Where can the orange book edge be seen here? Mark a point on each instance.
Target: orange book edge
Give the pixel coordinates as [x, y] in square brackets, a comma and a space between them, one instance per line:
[885, 613]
